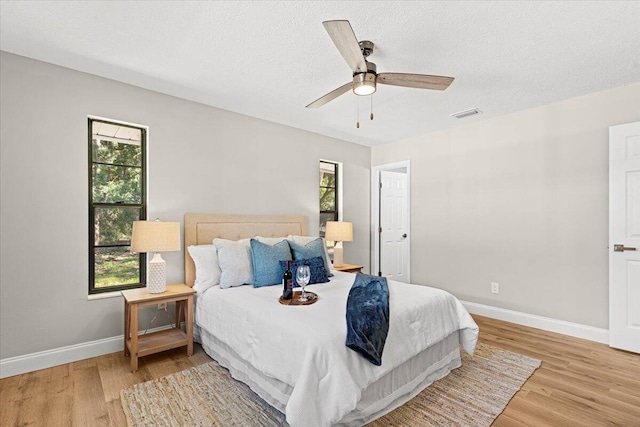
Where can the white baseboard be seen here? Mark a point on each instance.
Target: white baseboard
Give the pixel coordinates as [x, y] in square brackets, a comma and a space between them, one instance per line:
[59, 356]
[546, 323]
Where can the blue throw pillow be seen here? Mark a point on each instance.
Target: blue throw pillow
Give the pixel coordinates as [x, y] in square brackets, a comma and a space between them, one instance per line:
[314, 248]
[265, 258]
[316, 266]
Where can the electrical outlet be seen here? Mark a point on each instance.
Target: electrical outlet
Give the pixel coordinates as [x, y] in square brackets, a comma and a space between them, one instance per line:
[162, 306]
[495, 288]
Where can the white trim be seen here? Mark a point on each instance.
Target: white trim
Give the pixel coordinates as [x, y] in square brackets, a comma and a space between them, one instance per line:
[375, 219]
[103, 295]
[121, 122]
[11, 366]
[546, 323]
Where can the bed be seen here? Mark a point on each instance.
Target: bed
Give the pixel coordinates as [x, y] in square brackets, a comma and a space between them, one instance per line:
[295, 358]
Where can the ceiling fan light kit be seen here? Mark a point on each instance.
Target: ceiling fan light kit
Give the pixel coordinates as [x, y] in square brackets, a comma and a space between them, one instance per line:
[365, 73]
[364, 84]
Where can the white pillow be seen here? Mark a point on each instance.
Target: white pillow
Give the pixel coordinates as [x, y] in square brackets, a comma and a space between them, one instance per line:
[208, 271]
[235, 262]
[270, 240]
[303, 240]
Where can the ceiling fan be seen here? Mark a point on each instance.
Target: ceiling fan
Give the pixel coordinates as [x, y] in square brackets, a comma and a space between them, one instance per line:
[365, 75]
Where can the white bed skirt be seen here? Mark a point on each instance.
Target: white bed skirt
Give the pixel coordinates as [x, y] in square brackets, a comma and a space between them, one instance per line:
[389, 392]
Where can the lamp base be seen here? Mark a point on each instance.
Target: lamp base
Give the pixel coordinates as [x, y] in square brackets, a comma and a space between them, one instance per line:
[157, 277]
[337, 255]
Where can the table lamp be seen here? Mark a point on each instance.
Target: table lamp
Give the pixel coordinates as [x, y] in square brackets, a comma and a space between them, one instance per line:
[338, 231]
[156, 236]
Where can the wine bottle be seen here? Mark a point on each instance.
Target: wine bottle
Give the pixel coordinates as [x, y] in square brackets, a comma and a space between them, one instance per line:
[287, 282]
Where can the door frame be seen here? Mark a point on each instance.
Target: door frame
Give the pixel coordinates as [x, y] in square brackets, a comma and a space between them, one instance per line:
[375, 213]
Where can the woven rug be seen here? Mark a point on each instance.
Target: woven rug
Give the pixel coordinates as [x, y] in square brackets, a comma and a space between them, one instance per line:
[206, 395]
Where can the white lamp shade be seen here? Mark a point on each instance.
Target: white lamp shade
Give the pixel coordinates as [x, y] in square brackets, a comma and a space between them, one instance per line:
[155, 236]
[339, 231]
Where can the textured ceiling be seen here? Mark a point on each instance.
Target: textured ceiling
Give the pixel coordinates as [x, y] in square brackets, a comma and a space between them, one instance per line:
[270, 59]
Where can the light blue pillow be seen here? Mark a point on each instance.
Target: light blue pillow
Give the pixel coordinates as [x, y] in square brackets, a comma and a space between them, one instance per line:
[266, 262]
[314, 248]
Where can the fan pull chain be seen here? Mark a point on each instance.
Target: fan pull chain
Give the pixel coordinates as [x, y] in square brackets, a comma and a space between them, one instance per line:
[371, 116]
[357, 113]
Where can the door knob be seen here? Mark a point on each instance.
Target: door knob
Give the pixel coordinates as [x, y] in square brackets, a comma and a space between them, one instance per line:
[404, 236]
[622, 248]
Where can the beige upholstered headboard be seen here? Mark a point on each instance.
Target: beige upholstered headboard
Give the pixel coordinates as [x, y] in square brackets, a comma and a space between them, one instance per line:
[201, 229]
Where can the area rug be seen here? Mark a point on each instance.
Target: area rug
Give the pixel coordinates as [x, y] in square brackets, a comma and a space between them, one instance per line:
[206, 395]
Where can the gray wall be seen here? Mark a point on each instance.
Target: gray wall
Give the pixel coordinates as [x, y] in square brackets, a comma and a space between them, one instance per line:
[202, 159]
[521, 200]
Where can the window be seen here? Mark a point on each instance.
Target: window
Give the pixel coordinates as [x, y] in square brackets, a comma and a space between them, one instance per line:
[328, 194]
[117, 197]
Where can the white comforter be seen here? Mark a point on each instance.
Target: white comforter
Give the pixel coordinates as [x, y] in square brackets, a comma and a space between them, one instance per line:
[304, 346]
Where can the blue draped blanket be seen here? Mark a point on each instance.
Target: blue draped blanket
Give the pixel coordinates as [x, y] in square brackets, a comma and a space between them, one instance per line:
[368, 317]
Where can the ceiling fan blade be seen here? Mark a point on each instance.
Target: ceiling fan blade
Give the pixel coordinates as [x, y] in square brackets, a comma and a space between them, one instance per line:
[330, 96]
[420, 81]
[345, 40]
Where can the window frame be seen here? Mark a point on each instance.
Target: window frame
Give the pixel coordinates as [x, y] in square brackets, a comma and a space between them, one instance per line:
[142, 257]
[336, 189]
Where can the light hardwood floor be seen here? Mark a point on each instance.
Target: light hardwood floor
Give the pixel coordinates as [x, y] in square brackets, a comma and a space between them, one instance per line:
[579, 383]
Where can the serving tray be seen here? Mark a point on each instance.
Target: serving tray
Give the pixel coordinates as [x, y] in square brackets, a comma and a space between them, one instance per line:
[296, 295]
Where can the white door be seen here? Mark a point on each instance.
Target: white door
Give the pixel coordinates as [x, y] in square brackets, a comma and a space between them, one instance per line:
[624, 237]
[394, 238]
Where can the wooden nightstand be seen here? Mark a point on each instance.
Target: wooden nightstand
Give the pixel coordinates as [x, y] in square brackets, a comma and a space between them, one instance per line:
[138, 346]
[349, 268]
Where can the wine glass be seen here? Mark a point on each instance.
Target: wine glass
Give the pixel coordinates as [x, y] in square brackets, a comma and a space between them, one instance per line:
[303, 275]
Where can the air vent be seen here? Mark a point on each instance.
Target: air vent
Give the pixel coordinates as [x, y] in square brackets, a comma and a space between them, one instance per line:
[466, 113]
